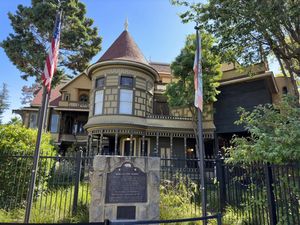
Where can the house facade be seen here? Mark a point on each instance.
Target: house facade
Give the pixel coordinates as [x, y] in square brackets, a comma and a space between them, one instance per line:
[117, 106]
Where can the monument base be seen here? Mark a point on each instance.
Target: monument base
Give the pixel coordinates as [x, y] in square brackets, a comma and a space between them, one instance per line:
[124, 188]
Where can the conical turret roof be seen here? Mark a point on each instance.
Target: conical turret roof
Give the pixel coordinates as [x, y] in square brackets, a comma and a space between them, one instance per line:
[124, 48]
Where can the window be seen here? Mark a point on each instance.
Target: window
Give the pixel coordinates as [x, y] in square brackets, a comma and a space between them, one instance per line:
[284, 90]
[126, 101]
[66, 97]
[100, 82]
[84, 98]
[98, 107]
[33, 120]
[126, 81]
[54, 123]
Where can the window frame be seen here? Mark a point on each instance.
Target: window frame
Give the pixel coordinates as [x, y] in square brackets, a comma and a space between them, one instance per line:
[132, 101]
[99, 90]
[124, 86]
[57, 123]
[96, 82]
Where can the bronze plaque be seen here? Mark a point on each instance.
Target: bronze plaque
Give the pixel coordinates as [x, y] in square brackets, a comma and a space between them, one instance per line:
[126, 184]
[126, 213]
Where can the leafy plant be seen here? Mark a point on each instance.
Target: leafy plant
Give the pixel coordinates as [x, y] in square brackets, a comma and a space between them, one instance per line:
[16, 171]
[274, 134]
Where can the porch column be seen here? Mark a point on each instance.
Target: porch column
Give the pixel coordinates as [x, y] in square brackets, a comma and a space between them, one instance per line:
[131, 152]
[171, 145]
[116, 142]
[98, 143]
[101, 141]
[88, 144]
[157, 145]
[143, 146]
[91, 144]
[185, 145]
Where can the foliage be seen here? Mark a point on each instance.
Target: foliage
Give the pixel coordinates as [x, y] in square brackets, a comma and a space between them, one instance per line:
[176, 199]
[180, 92]
[15, 121]
[274, 134]
[33, 26]
[248, 31]
[53, 207]
[29, 92]
[3, 100]
[18, 140]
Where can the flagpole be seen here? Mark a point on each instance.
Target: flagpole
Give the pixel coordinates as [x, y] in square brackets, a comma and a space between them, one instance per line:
[42, 114]
[47, 78]
[201, 149]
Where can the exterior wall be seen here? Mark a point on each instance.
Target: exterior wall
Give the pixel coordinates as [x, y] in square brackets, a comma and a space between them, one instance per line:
[142, 91]
[246, 95]
[232, 72]
[282, 82]
[76, 87]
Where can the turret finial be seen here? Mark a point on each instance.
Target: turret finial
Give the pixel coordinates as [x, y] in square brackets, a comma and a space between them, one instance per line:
[126, 24]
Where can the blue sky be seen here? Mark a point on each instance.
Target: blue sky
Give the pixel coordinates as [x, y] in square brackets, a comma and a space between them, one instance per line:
[154, 25]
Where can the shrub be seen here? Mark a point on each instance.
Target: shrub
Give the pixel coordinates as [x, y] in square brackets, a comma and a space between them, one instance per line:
[177, 199]
[274, 134]
[16, 171]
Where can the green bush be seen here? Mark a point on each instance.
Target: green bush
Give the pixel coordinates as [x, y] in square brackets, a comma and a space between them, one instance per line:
[177, 199]
[274, 134]
[16, 140]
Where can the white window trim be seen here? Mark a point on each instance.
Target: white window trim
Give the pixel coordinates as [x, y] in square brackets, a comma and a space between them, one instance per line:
[148, 145]
[123, 145]
[101, 113]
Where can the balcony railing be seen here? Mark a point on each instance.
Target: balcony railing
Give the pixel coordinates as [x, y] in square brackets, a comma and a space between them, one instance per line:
[74, 104]
[167, 117]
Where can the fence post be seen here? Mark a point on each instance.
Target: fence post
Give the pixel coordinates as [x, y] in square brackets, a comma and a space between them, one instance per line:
[219, 219]
[77, 180]
[221, 180]
[270, 194]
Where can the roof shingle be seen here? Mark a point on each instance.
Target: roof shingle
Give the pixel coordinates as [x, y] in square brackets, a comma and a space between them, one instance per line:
[124, 48]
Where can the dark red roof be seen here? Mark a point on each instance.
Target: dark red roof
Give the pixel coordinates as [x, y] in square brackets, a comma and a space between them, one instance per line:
[161, 67]
[55, 96]
[124, 48]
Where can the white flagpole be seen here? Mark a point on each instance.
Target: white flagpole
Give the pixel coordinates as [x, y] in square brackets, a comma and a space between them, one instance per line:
[200, 150]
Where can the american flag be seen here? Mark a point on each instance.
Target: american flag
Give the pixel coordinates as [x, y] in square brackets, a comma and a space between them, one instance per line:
[198, 75]
[52, 57]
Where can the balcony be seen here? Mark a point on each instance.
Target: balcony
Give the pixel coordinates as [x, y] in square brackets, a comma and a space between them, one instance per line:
[73, 105]
[167, 117]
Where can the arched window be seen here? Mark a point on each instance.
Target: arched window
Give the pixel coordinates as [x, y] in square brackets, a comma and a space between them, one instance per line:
[84, 98]
[284, 90]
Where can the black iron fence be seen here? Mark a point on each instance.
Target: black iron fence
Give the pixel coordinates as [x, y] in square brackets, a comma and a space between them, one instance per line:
[260, 193]
[256, 194]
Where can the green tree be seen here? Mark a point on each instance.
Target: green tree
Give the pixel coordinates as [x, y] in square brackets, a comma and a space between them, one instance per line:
[248, 31]
[3, 100]
[33, 27]
[16, 171]
[274, 134]
[181, 92]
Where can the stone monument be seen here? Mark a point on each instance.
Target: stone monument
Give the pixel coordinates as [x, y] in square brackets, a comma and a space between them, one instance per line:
[124, 188]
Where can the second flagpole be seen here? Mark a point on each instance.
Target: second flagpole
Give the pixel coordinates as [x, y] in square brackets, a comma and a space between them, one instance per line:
[200, 138]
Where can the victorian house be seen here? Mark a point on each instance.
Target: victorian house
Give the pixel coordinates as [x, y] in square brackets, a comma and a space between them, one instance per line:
[117, 106]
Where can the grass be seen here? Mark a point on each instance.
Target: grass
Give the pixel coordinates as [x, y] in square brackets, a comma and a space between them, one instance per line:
[53, 207]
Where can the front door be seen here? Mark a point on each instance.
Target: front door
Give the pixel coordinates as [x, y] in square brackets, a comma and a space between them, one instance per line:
[126, 148]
